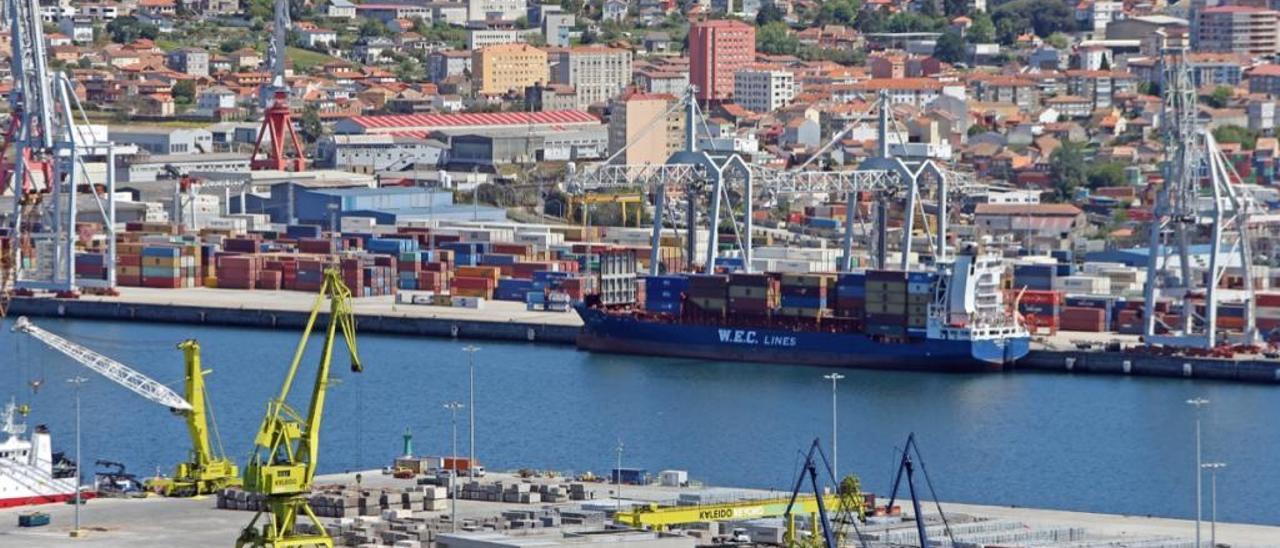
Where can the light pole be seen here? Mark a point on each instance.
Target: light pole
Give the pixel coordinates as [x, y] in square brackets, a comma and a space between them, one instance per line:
[617, 475]
[77, 382]
[453, 408]
[835, 441]
[471, 421]
[1213, 468]
[1198, 403]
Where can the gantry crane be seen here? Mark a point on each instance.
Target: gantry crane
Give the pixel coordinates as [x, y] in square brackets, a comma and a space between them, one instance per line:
[287, 446]
[207, 471]
[285, 152]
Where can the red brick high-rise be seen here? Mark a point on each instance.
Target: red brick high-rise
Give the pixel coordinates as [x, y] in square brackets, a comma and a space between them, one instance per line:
[717, 50]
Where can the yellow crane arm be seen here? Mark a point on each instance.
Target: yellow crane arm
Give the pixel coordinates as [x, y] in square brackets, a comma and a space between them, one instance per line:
[197, 421]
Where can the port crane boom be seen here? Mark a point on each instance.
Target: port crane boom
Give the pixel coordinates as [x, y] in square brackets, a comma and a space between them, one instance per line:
[107, 367]
[287, 445]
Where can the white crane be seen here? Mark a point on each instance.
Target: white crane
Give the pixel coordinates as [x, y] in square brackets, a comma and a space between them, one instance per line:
[107, 367]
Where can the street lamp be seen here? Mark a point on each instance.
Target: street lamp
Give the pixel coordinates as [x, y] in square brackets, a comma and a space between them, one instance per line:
[1213, 468]
[617, 475]
[1198, 403]
[77, 382]
[453, 408]
[835, 441]
[471, 421]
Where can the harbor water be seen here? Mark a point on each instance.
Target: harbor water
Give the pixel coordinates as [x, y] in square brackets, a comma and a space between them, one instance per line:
[1092, 443]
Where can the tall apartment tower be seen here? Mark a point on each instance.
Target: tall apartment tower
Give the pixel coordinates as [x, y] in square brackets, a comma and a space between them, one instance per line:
[717, 50]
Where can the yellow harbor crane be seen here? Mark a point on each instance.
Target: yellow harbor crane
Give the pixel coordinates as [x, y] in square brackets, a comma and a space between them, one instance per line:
[287, 445]
[207, 471]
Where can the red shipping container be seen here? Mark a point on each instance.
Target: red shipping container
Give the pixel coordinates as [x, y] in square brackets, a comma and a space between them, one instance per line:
[473, 283]
[1091, 320]
[1267, 300]
[1041, 297]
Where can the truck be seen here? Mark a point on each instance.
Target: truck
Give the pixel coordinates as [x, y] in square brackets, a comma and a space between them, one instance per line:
[462, 466]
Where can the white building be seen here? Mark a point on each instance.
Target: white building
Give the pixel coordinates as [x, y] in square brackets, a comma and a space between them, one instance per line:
[341, 9]
[597, 73]
[503, 10]
[483, 38]
[373, 153]
[763, 88]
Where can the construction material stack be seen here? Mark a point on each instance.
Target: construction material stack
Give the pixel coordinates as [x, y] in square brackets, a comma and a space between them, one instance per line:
[886, 303]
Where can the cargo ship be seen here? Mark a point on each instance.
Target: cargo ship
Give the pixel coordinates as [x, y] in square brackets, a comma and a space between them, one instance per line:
[30, 472]
[949, 318]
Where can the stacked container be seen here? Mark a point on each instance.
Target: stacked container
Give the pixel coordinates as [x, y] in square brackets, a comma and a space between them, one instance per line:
[170, 267]
[662, 294]
[476, 281]
[886, 308]
[239, 271]
[1038, 277]
[804, 295]
[752, 294]
[851, 295]
[919, 295]
[1040, 309]
[1267, 312]
[708, 294]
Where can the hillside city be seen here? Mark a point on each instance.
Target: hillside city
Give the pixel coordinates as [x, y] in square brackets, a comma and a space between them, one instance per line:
[1056, 102]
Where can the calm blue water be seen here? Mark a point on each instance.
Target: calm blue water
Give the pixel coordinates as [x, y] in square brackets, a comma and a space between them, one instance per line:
[1107, 444]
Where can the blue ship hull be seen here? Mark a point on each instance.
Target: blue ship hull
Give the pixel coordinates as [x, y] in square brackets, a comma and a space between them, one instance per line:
[621, 333]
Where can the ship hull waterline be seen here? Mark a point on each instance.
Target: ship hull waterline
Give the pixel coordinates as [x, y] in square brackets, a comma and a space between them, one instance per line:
[624, 335]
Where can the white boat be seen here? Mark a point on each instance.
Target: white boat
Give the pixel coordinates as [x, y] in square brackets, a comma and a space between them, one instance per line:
[28, 473]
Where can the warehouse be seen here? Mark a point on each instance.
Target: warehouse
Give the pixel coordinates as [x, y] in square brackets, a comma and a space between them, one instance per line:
[297, 204]
[421, 125]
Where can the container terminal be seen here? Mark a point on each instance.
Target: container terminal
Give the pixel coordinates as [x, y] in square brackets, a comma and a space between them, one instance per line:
[907, 261]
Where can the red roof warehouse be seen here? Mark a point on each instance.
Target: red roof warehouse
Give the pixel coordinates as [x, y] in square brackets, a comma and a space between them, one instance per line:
[426, 123]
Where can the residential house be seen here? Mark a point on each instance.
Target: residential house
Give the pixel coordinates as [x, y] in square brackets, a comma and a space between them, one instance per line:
[192, 61]
[341, 9]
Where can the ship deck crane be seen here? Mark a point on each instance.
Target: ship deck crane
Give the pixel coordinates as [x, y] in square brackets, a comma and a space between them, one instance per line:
[287, 446]
[119, 373]
[207, 471]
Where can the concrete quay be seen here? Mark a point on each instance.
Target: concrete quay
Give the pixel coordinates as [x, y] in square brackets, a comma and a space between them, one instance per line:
[501, 320]
[159, 522]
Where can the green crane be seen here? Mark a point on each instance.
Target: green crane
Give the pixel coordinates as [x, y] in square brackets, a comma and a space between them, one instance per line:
[287, 445]
[206, 472]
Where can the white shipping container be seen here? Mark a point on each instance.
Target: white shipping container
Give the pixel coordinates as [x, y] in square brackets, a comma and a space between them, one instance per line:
[476, 303]
[357, 224]
[1089, 285]
[673, 478]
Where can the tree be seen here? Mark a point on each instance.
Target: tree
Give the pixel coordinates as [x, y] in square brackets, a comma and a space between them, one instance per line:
[1066, 169]
[982, 31]
[1105, 64]
[311, 127]
[124, 30]
[372, 28]
[950, 47]
[1220, 97]
[184, 92]
[842, 12]
[1105, 174]
[955, 8]
[409, 70]
[1059, 41]
[1246, 137]
[84, 63]
[871, 20]
[1044, 17]
[769, 13]
[776, 38]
